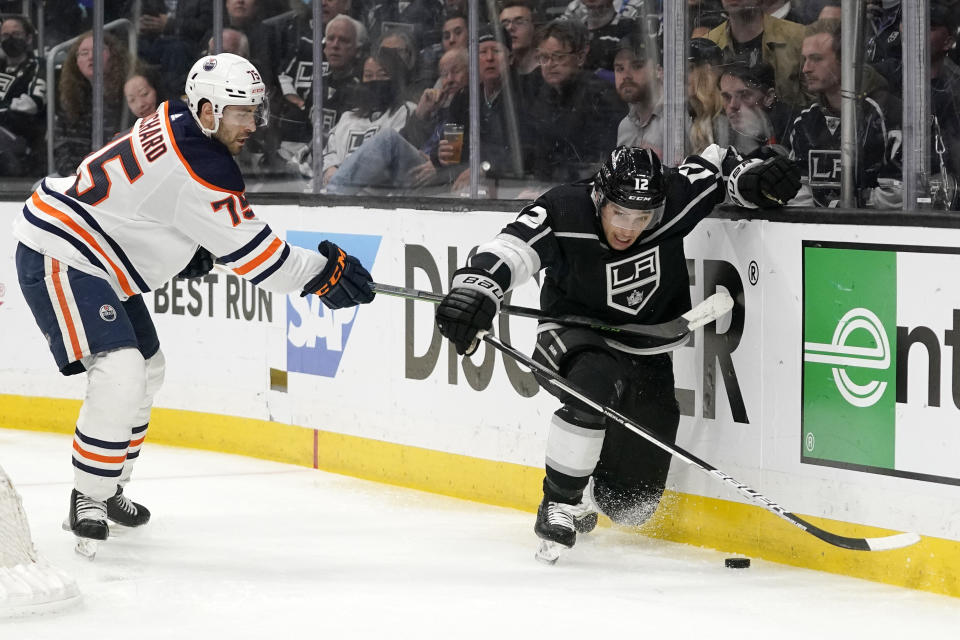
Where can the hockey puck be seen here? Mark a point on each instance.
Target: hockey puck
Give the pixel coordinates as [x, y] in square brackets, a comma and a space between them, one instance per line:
[737, 563]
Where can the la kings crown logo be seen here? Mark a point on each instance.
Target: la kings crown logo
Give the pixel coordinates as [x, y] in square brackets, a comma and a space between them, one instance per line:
[632, 281]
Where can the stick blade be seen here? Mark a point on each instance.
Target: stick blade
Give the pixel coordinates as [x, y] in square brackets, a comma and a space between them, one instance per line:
[716, 306]
[897, 541]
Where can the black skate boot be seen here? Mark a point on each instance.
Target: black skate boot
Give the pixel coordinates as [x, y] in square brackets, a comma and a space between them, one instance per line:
[126, 512]
[88, 517]
[555, 528]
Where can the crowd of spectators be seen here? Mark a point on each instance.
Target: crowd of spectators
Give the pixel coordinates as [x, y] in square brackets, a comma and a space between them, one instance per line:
[561, 84]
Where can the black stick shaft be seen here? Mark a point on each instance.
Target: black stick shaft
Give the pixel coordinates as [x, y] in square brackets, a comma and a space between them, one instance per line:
[857, 544]
[666, 332]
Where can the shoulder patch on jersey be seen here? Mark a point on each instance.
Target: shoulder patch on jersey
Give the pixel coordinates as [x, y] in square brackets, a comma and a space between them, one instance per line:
[205, 158]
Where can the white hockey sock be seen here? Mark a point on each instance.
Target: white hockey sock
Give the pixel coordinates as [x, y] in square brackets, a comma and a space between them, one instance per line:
[155, 366]
[115, 388]
[571, 449]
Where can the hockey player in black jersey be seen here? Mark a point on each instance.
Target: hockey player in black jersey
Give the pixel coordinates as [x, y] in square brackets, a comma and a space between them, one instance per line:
[612, 249]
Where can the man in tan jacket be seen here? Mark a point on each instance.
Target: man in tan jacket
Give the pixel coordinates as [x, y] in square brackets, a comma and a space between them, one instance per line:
[752, 33]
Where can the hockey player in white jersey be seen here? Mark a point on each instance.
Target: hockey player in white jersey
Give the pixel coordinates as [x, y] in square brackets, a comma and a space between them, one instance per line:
[152, 204]
[612, 249]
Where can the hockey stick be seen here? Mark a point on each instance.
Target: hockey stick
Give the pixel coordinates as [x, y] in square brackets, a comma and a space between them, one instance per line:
[707, 311]
[896, 541]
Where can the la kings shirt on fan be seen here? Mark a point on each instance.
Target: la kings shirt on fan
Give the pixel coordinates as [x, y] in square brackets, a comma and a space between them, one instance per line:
[17, 84]
[138, 208]
[815, 138]
[647, 283]
[296, 77]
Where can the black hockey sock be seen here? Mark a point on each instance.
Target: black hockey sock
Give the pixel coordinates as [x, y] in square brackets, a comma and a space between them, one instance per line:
[558, 487]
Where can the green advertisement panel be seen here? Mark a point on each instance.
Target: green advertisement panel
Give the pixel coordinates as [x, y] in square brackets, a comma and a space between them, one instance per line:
[849, 356]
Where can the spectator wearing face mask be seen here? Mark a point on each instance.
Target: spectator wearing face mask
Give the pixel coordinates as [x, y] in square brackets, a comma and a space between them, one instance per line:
[22, 99]
[379, 97]
[419, 156]
[402, 41]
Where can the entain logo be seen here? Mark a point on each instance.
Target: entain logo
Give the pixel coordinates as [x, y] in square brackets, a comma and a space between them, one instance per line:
[843, 355]
[851, 356]
[3, 292]
[316, 336]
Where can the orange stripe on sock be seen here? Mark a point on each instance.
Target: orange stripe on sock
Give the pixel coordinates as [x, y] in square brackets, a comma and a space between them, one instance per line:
[97, 457]
[260, 259]
[137, 443]
[65, 310]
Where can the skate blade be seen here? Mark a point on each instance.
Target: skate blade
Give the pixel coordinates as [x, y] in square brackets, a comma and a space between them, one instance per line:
[86, 547]
[549, 552]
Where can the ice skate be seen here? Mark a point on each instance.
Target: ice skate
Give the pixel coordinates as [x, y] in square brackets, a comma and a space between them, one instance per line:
[87, 521]
[555, 528]
[126, 512]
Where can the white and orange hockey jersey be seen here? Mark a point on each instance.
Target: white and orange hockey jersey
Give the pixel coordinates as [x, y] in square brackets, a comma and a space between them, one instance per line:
[139, 207]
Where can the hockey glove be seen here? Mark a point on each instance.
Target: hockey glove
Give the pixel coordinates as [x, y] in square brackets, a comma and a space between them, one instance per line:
[343, 282]
[768, 183]
[200, 265]
[468, 309]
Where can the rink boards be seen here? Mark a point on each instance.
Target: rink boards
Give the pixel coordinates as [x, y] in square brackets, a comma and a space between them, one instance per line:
[832, 388]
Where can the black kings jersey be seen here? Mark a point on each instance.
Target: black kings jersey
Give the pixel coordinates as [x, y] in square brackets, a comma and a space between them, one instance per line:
[561, 233]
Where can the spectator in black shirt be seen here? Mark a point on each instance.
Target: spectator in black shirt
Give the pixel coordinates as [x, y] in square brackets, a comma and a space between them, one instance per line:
[573, 116]
[344, 41]
[22, 99]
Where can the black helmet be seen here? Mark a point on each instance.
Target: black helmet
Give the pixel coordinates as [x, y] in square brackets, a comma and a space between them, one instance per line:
[632, 178]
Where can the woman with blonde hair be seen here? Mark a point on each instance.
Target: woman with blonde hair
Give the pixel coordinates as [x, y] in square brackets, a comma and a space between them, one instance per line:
[703, 96]
[73, 130]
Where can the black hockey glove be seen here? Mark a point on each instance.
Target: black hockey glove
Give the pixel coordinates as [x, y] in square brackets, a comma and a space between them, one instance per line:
[770, 183]
[468, 309]
[343, 282]
[200, 265]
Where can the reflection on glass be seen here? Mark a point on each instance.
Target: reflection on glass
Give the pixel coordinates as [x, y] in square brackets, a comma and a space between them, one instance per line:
[553, 99]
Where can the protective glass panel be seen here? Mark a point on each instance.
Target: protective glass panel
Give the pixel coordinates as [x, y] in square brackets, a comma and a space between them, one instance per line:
[559, 85]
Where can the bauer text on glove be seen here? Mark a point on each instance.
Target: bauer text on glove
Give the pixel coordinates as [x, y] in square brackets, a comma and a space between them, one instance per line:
[468, 309]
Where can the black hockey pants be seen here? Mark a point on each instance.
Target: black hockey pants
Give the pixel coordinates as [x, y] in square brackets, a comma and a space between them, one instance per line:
[631, 473]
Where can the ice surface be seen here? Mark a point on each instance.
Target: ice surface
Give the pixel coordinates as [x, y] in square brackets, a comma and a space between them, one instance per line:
[242, 548]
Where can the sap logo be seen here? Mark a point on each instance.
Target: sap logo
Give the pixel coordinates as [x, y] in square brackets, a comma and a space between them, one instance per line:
[317, 337]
